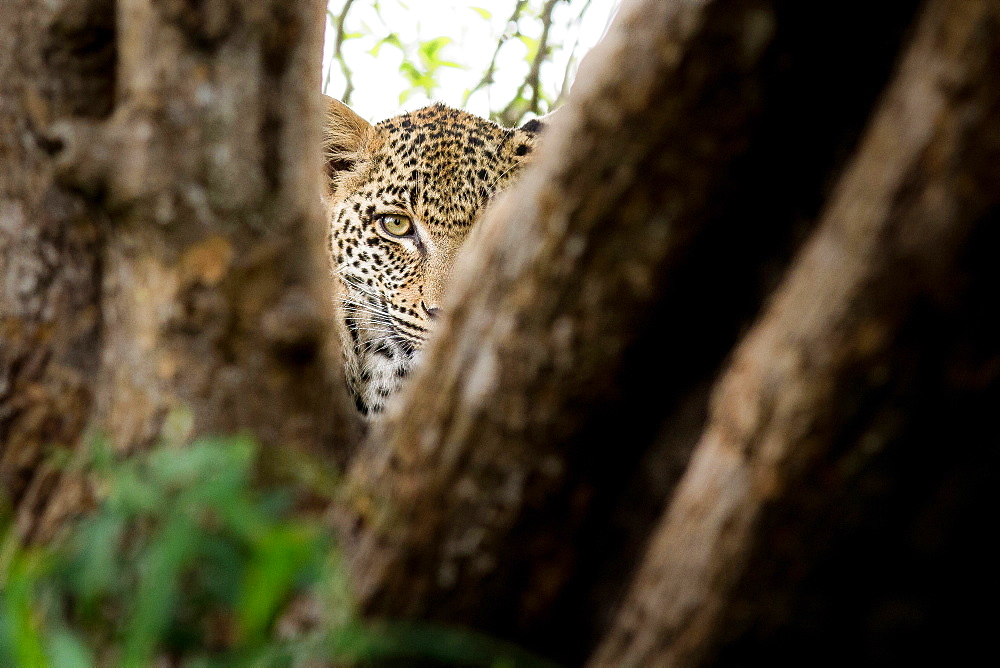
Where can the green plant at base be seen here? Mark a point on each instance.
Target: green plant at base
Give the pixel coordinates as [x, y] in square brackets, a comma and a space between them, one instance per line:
[186, 558]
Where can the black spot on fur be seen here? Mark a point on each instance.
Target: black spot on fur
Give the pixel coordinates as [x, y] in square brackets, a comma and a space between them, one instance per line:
[359, 403]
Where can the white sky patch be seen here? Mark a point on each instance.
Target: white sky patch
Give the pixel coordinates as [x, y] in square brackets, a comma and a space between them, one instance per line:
[378, 80]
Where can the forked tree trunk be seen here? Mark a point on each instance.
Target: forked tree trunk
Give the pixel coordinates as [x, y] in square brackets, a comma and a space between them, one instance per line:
[207, 289]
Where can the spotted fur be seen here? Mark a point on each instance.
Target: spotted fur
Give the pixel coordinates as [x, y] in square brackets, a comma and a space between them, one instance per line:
[439, 167]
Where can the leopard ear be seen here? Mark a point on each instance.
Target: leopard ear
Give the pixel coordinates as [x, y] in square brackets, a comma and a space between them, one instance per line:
[346, 138]
[538, 125]
[528, 135]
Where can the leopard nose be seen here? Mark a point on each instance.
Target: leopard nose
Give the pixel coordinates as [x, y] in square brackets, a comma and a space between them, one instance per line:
[431, 311]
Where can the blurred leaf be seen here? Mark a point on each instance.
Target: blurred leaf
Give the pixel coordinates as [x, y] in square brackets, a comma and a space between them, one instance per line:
[531, 44]
[485, 13]
[410, 71]
[158, 588]
[94, 570]
[220, 572]
[130, 493]
[392, 39]
[417, 78]
[20, 621]
[429, 49]
[186, 557]
[67, 650]
[219, 463]
[280, 555]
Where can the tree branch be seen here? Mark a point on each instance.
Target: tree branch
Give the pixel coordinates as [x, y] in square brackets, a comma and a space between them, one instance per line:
[570, 61]
[487, 79]
[513, 112]
[338, 55]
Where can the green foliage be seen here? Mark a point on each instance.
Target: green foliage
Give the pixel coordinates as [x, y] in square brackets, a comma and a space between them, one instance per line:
[186, 558]
[421, 63]
[515, 59]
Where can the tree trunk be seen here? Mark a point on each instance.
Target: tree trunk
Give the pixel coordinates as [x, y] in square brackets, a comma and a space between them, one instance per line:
[54, 62]
[510, 459]
[855, 376]
[210, 292]
[680, 174]
[160, 241]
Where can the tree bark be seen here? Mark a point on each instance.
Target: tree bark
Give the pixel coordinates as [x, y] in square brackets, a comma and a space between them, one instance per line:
[160, 241]
[212, 293]
[522, 357]
[54, 61]
[855, 350]
[571, 301]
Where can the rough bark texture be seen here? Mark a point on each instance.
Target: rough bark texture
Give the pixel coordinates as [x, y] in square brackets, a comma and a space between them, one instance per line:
[159, 250]
[55, 60]
[850, 378]
[819, 89]
[212, 294]
[668, 196]
[522, 358]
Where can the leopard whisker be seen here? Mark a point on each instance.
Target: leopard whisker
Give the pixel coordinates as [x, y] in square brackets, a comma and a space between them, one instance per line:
[371, 343]
[358, 284]
[361, 308]
[503, 174]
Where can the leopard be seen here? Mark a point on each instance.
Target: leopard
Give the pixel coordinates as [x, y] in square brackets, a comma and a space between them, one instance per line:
[402, 197]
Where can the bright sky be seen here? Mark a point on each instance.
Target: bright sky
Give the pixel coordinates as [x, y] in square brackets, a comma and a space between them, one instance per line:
[378, 81]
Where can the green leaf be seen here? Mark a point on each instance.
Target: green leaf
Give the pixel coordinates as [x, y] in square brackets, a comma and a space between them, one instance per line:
[66, 650]
[532, 45]
[95, 569]
[430, 48]
[485, 13]
[280, 557]
[392, 40]
[132, 494]
[159, 588]
[417, 78]
[18, 613]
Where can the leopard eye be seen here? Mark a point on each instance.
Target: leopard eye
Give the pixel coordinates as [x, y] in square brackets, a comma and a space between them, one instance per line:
[395, 224]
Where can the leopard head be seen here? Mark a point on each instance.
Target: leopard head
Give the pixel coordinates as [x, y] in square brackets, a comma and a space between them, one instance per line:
[402, 197]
